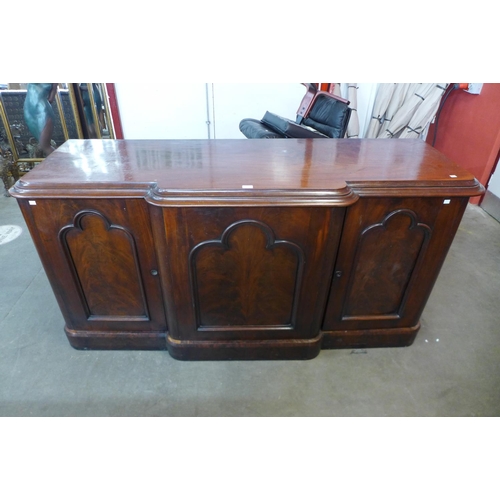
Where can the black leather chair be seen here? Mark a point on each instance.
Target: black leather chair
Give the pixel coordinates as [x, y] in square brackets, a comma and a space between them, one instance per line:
[320, 115]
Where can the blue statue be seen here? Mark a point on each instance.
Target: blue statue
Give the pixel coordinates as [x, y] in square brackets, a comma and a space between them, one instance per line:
[39, 115]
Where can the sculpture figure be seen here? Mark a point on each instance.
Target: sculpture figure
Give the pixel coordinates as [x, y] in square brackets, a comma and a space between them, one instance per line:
[39, 115]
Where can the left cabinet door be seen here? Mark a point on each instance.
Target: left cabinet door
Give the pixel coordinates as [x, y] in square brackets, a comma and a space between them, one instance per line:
[100, 259]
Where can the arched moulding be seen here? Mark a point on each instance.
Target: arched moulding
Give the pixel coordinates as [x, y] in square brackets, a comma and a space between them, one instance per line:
[247, 279]
[104, 262]
[383, 272]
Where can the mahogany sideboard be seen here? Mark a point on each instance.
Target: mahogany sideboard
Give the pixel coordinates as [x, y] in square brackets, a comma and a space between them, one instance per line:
[243, 249]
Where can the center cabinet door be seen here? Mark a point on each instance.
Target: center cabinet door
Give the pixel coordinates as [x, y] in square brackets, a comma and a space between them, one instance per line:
[248, 273]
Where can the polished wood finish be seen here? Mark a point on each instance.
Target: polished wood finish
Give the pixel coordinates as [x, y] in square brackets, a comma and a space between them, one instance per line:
[249, 274]
[389, 257]
[100, 259]
[243, 249]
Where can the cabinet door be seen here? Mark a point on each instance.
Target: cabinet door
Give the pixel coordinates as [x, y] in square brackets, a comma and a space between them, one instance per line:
[248, 273]
[389, 257]
[99, 257]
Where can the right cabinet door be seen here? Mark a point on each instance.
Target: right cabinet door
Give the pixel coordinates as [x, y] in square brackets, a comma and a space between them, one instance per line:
[390, 254]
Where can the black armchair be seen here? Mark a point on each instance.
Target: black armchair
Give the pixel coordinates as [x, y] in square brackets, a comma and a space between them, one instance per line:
[320, 115]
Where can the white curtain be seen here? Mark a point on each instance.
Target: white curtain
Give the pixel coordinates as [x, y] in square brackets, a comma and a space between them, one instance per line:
[380, 106]
[404, 110]
[382, 100]
[425, 113]
[352, 97]
[361, 97]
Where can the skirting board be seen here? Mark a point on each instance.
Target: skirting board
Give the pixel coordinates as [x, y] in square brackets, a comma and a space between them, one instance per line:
[491, 204]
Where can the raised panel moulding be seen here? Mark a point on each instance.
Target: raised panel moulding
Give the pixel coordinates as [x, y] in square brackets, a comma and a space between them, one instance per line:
[258, 277]
[388, 254]
[101, 254]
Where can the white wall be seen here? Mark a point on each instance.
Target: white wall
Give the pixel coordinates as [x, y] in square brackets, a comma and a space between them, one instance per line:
[494, 184]
[233, 102]
[162, 110]
[179, 111]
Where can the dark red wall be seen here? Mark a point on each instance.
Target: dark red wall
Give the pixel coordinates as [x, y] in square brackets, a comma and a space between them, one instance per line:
[115, 112]
[469, 130]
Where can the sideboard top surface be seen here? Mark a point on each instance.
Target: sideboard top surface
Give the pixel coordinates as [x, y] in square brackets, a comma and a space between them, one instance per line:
[218, 167]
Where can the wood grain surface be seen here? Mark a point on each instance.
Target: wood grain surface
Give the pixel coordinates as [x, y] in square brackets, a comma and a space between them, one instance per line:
[243, 249]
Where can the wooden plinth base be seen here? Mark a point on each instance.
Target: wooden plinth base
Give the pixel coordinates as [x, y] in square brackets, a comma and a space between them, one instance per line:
[188, 350]
[359, 339]
[153, 341]
[244, 350]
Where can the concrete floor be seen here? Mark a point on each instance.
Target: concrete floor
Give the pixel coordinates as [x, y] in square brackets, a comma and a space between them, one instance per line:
[452, 369]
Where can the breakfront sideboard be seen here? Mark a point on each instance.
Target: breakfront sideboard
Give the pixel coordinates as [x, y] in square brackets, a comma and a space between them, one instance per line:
[243, 249]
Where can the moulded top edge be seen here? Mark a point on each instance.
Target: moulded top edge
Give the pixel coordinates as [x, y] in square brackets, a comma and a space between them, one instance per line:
[220, 166]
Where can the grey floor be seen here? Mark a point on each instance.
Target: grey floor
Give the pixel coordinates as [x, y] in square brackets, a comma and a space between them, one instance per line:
[452, 369]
